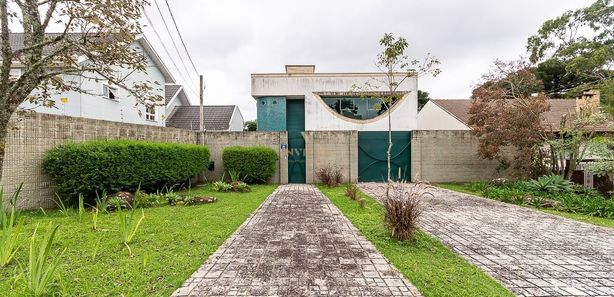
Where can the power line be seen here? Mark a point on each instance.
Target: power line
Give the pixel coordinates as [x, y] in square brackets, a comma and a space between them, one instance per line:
[180, 37]
[172, 39]
[168, 53]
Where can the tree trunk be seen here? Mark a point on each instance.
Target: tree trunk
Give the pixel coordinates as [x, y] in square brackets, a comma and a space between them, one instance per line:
[4, 121]
[389, 154]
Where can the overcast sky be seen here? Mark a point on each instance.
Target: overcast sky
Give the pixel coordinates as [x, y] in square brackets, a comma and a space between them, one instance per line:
[231, 39]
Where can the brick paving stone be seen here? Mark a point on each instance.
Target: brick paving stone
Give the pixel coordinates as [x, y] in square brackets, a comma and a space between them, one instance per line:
[297, 244]
[530, 252]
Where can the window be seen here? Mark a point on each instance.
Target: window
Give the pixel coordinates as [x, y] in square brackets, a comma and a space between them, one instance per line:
[110, 92]
[14, 74]
[356, 107]
[150, 113]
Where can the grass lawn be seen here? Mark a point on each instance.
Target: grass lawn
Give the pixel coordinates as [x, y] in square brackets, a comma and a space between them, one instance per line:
[171, 244]
[425, 261]
[579, 217]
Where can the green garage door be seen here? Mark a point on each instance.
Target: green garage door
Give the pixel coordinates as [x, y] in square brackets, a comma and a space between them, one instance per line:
[295, 123]
[372, 161]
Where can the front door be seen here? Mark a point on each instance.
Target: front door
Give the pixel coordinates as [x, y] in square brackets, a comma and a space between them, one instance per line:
[295, 123]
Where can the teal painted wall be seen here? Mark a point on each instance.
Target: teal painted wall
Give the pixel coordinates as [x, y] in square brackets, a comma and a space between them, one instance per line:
[271, 113]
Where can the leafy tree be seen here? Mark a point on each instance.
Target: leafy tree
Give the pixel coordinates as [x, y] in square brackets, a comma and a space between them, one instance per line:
[250, 126]
[423, 98]
[558, 83]
[575, 51]
[51, 62]
[507, 112]
[507, 117]
[603, 148]
[396, 66]
[571, 142]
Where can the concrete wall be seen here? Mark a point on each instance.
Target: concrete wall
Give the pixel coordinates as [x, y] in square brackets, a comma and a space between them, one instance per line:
[433, 117]
[336, 148]
[449, 156]
[217, 141]
[320, 117]
[33, 134]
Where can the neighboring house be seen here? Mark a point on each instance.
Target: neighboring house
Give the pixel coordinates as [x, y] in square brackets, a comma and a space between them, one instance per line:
[441, 114]
[105, 101]
[453, 114]
[185, 116]
[216, 117]
[302, 100]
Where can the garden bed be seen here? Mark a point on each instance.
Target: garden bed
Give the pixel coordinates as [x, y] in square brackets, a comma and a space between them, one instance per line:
[580, 204]
[172, 242]
[425, 261]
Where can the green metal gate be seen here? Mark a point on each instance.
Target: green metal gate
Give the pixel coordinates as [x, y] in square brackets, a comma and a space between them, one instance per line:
[295, 123]
[372, 160]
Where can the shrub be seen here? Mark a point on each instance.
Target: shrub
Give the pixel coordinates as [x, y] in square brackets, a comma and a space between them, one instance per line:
[255, 164]
[550, 183]
[351, 191]
[239, 186]
[330, 175]
[111, 166]
[221, 186]
[402, 208]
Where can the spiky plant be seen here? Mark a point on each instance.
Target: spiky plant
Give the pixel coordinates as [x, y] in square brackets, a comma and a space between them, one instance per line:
[42, 264]
[403, 208]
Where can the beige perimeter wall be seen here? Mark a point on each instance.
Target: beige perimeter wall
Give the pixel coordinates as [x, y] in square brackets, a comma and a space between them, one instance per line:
[32, 134]
[449, 156]
[334, 148]
[217, 141]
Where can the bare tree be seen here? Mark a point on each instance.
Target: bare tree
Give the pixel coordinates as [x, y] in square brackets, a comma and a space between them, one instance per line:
[397, 67]
[91, 40]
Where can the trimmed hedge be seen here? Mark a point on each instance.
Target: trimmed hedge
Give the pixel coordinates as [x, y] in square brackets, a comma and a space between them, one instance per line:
[121, 165]
[255, 163]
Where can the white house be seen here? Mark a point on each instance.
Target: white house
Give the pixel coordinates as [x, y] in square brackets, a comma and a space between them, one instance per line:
[106, 101]
[328, 102]
[441, 114]
[301, 100]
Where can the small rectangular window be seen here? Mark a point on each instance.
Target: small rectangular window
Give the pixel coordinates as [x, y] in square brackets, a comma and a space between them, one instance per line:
[110, 92]
[150, 113]
[14, 74]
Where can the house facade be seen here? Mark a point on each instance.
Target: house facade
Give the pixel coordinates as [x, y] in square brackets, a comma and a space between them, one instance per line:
[105, 101]
[301, 100]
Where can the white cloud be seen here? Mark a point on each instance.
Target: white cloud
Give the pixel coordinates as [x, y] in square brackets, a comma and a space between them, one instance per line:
[231, 39]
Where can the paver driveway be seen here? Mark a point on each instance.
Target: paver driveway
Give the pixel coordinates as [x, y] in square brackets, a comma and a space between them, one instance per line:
[296, 244]
[530, 252]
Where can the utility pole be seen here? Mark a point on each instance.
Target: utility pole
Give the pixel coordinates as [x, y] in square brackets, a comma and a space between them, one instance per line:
[202, 111]
[201, 127]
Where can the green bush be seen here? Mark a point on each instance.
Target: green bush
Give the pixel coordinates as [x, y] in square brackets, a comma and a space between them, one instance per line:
[256, 164]
[571, 198]
[550, 183]
[109, 166]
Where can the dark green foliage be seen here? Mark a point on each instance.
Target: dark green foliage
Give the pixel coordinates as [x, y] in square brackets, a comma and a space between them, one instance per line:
[103, 166]
[550, 183]
[576, 199]
[250, 126]
[423, 98]
[256, 164]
